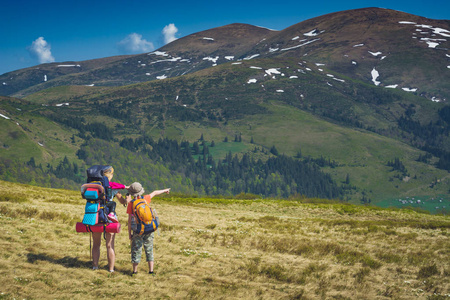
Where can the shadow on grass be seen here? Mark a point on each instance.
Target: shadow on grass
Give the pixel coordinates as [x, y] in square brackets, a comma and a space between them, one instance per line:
[67, 261]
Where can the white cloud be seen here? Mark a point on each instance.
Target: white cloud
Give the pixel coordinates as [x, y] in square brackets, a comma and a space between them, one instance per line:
[134, 43]
[169, 32]
[41, 50]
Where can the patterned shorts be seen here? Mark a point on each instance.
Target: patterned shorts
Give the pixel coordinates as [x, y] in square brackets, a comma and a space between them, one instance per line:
[139, 241]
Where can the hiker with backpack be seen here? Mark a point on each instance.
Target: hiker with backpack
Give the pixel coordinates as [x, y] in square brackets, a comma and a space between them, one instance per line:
[102, 209]
[142, 223]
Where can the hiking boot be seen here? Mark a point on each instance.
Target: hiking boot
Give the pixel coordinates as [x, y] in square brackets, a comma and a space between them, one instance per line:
[112, 217]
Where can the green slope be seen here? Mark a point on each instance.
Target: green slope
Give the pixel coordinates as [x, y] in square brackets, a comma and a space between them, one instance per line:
[300, 107]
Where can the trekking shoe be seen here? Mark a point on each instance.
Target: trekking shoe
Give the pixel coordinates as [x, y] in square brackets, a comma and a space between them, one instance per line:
[152, 273]
[112, 217]
[94, 268]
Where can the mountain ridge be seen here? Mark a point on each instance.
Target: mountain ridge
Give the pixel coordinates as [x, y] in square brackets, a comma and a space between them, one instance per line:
[351, 42]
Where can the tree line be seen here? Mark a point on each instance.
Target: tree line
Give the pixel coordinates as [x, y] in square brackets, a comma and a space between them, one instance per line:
[278, 176]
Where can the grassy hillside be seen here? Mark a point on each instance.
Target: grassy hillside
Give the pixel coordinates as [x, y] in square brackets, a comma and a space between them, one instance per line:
[304, 113]
[27, 134]
[224, 248]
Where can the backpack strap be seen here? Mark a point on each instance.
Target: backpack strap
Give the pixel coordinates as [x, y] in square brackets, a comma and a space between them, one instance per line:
[88, 228]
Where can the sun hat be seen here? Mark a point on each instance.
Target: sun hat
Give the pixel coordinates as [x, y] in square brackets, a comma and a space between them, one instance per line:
[136, 189]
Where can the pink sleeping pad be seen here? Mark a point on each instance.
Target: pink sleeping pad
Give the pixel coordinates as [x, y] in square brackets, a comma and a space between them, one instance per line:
[111, 228]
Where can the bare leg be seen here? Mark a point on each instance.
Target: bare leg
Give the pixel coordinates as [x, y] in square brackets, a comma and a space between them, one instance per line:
[150, 266]
[110, 237]
[135, 267]
[97, 237]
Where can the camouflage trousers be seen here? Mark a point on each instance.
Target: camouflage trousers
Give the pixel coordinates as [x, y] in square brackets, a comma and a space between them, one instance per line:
[139, 241]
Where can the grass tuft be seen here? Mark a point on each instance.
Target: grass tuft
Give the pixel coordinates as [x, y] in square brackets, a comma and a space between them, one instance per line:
[428, 271]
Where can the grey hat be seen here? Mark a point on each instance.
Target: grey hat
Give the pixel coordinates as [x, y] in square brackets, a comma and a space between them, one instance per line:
[136, 189]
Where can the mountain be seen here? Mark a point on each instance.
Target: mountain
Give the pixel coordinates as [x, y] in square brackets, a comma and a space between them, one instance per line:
[406, 51]
[378, 46]
[310, 90]
[187, 55]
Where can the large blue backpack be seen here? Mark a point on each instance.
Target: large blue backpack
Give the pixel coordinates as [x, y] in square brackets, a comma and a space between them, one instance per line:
[96, 192]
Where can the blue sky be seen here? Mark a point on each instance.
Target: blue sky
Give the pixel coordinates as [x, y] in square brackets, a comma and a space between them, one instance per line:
[35, 32]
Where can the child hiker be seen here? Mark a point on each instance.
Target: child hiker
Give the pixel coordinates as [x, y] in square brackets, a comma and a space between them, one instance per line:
[138, 236]
[115, 187]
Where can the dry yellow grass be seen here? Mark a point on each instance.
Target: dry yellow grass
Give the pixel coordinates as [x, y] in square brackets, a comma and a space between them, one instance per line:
[222, 249]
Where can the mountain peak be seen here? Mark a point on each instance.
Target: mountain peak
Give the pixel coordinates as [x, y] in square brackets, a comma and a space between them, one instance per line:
[232, 39]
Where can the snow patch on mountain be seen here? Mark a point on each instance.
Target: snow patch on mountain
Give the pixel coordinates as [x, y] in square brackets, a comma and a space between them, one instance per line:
[440, 31]
[251, 56]
[392, 86]
[375, 53]
[272, 71]
[212, 59]
[68, 66]
[159, 53]
[301, 45]
[173, 59]
[434, 99]
[314, 32]
[425, 29]
[432, 44]
[375, 75]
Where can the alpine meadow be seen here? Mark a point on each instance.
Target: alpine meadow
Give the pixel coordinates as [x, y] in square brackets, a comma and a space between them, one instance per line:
[216, 248]
[307, 163]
